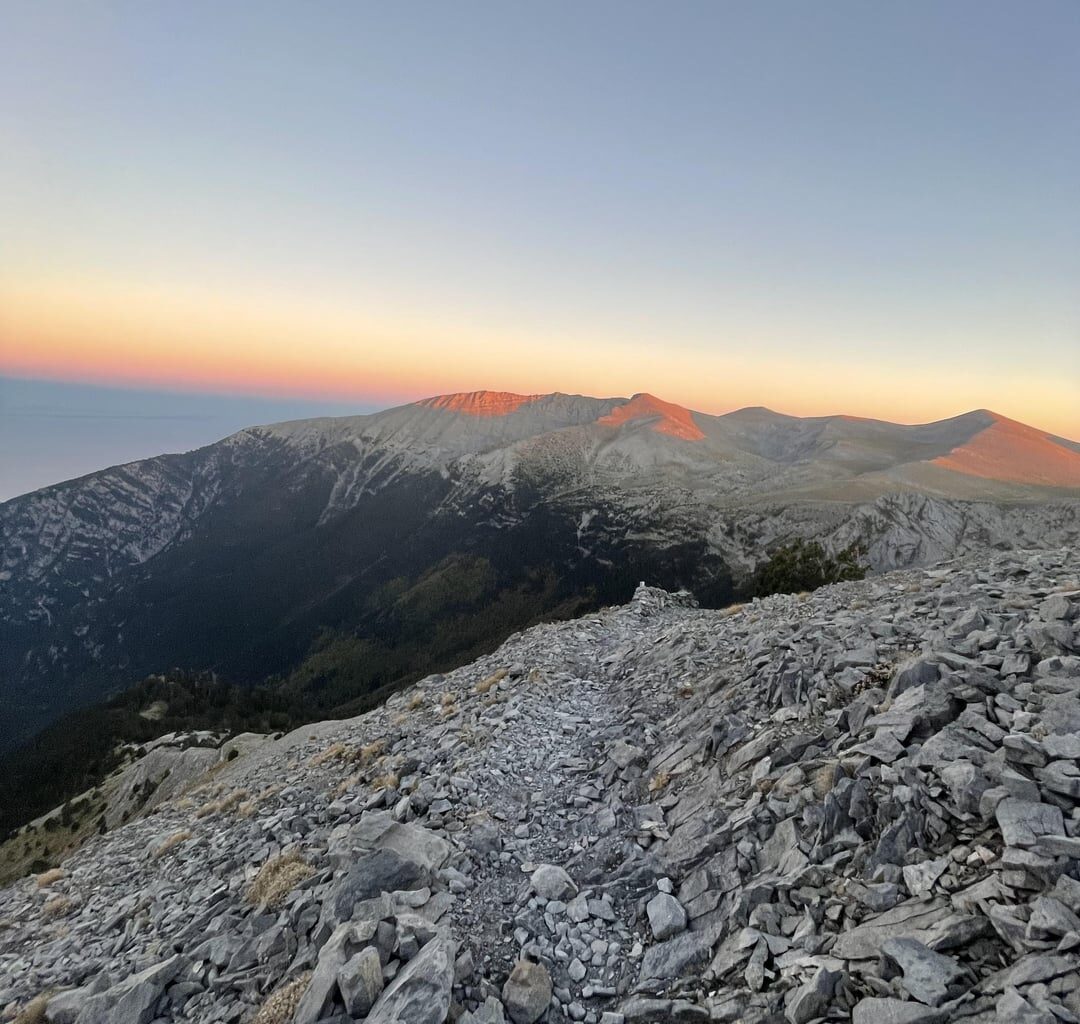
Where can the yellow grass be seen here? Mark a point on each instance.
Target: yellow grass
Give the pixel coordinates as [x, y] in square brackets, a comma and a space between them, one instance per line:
[34, 1011]
[331, 753]
[46, 878]
[225, 803]
[281, 1005]
[277, 878]
[659, 781]
[345, 785]
[58, 906]
[171, 843]
[372, 750]
[492, 680]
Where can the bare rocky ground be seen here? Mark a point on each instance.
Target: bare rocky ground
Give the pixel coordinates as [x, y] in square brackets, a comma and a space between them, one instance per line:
[859, 804]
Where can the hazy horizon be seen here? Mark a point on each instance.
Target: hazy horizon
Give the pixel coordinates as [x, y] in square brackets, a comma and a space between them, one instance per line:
[40, 445]
[52, 431]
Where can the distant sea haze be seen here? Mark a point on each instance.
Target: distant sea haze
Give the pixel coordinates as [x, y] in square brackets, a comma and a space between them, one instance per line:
[52, 431]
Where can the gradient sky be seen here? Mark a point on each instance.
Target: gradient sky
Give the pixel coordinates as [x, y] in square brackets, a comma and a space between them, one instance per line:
[821, 207]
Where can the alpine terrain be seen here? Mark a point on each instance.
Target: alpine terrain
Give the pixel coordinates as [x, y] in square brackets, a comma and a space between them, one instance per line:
[339, 558]
[861, 803]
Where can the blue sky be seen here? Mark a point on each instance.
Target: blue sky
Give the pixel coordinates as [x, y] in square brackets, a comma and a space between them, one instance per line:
[821, 207]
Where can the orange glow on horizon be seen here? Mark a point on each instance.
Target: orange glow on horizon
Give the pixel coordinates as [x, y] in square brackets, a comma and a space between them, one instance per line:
[119, 334]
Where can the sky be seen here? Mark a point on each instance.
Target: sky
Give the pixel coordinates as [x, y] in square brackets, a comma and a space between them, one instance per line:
[827, 207]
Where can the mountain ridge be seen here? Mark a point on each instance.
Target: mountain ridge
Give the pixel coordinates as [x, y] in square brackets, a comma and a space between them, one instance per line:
[236, 556]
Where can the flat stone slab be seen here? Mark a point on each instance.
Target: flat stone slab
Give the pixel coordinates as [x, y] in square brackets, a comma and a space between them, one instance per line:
[1023, 822]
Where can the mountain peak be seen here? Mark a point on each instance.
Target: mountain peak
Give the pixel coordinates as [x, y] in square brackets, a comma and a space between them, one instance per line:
[673, 420]
[1007, 450]
[479, 403]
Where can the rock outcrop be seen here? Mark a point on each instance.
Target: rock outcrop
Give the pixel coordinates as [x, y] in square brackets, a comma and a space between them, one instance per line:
[858, 804]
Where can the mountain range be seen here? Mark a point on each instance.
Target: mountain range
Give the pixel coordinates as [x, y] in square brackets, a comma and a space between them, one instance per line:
[340, 548]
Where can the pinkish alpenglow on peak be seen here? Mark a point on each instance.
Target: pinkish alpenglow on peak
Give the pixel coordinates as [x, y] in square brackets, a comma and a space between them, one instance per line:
[667, 418]
[480, 403]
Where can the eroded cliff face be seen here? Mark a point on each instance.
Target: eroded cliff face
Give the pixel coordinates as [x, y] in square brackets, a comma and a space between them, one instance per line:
[861, 803]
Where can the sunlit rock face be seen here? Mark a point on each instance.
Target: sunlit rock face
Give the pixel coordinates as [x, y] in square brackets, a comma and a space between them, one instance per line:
[1010, 451]
[479, 403]
[663, 417]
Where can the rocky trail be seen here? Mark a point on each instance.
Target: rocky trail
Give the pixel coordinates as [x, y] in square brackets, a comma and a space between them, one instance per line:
[858, 804]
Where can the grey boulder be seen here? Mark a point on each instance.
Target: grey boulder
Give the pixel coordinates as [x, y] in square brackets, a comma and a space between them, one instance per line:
[552, 883]
[929, 977]
[132, 1000]
[420, 994]
[666, 916]
[527, 992]
[894, 1011]
[360, 980]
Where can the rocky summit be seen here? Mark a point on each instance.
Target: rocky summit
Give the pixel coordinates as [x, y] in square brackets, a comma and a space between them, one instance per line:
[857, 804]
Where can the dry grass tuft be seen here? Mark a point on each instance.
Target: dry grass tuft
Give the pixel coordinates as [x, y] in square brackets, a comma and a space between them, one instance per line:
[731, 609]
[334, 752]
[492, 680]
[58, 906]
[213, 770]
[659, 781]
[415, 701]
[372, 750]
[345, 785]
[225, 803]
[247, 809]
[824, 778]
[34, 1011]
[387, 781]
[281, 1005]
[46, 878]
[171, 843]
[277, 878]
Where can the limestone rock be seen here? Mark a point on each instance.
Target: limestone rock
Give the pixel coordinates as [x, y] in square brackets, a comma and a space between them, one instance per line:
[527, 992]
[421, 992]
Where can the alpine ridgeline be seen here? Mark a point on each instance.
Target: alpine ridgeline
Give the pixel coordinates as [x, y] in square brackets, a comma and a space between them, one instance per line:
[421, 536]
[857, 804]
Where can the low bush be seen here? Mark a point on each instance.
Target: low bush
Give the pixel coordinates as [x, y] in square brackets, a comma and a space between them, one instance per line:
[805, 565]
